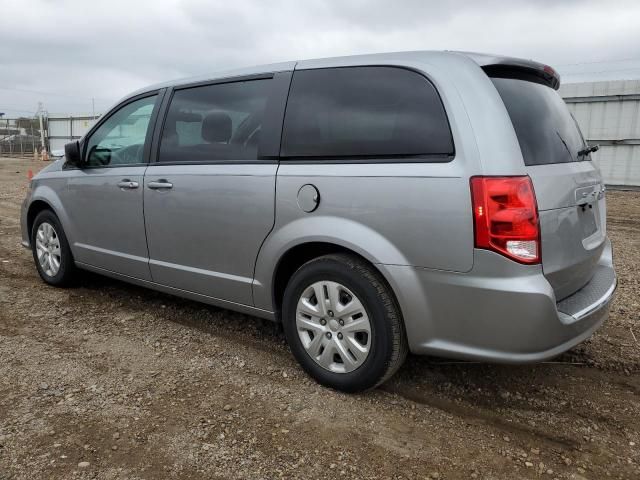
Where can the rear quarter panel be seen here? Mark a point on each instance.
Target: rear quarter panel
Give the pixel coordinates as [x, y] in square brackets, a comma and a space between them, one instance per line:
[391, 213]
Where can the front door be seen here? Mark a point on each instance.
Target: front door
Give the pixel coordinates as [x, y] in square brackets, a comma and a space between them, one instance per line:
[104, 198]
[209, 199]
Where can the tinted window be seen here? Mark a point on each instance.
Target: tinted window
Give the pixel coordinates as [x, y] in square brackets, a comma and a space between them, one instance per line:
[215, 122]
[120, 139]
[546, 131]
[364, 111]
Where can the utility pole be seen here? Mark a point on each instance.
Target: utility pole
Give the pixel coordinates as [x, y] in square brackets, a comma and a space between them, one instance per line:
[40, 110]
[93, 107]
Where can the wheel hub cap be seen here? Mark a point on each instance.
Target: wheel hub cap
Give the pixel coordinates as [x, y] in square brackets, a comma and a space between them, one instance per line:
[333, 326]
[48, 249]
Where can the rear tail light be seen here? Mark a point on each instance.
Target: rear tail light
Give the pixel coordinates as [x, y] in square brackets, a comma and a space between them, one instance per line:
[505, 216]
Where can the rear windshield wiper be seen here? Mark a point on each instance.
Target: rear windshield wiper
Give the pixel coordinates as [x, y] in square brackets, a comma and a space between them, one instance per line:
[588, 150]
[565, 145]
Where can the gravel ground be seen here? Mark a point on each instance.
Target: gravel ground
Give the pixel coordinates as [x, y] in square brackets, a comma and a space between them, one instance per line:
[109, 381]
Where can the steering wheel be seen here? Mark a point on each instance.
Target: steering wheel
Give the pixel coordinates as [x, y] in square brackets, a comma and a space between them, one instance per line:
[127, 155]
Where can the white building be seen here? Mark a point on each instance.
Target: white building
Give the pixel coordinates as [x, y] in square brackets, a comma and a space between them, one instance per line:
[63, 129]
[609, 115]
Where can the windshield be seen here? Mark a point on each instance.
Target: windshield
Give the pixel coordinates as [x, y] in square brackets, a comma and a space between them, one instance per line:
[546, 131]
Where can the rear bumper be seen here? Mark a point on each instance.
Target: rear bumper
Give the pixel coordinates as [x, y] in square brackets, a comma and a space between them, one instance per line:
[500, 311]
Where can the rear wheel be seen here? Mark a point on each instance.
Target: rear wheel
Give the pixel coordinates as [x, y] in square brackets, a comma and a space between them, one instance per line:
[51, 251]
[343, 324]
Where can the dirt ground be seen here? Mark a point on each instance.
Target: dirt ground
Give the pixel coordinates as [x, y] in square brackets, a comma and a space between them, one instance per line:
[109, 381]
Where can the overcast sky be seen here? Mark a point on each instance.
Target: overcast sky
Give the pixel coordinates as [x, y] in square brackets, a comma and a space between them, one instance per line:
[66, 52]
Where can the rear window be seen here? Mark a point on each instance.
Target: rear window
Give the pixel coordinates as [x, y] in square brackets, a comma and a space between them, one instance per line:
[365, 112]
[546, 131]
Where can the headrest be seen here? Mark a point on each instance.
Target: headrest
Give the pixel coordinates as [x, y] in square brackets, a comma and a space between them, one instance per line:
[187, 117]
[216, 127]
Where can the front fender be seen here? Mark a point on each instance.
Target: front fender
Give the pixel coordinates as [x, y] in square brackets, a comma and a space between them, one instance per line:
[349, 234]
[48, 193]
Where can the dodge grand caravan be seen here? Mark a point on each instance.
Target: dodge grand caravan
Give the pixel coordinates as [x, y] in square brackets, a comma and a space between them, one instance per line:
[441, 203]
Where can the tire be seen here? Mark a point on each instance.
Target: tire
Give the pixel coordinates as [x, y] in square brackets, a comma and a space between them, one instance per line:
[48, 233]
[330, 345]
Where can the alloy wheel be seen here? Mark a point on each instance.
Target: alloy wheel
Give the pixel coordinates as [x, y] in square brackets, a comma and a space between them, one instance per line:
[48, 249]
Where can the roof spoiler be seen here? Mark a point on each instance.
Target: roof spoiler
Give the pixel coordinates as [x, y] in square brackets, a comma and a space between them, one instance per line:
[510, 67]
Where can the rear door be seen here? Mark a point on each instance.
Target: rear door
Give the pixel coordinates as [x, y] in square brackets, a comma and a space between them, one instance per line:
[209, 198]
[568, 186]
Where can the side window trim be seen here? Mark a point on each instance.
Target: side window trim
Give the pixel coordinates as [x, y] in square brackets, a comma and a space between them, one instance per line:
[273, 118]
[158, 126]
[160, 94]
[355, 159]
[348, 159]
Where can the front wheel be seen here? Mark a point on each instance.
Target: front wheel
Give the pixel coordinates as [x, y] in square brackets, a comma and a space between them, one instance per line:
[343, 324]
[51, 251]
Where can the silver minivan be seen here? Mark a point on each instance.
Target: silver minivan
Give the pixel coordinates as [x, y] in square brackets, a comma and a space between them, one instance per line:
[442, 203]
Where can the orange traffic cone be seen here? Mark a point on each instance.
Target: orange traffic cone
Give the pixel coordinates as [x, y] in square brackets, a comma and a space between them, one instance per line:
[29, 174]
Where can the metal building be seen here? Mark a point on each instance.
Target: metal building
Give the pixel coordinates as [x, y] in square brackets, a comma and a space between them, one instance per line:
[609, 115]
[63, 129]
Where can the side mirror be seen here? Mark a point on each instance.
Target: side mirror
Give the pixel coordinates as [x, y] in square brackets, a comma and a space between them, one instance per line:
[99, 156]
[72, 154]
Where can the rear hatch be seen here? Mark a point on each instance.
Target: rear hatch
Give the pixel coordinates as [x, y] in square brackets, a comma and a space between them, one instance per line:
[568, 186]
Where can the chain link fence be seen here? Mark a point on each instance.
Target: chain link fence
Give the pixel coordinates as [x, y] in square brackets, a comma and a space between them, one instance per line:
[20, 137]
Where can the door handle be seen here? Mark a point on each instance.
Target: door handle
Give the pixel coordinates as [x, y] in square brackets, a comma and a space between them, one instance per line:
[160, 185]
[128, 184]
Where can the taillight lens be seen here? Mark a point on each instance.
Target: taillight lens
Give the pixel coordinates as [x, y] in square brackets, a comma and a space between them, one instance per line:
[505, 215]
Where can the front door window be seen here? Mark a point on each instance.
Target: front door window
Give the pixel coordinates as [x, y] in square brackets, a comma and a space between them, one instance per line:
[120, 139]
